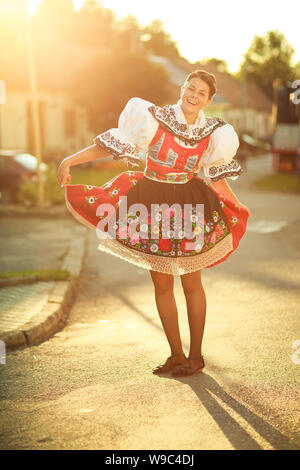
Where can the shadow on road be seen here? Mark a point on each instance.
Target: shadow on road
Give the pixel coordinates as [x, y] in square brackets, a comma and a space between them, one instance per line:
[210, 393]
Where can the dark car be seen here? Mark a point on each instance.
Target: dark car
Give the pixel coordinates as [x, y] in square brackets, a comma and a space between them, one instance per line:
[15, 167]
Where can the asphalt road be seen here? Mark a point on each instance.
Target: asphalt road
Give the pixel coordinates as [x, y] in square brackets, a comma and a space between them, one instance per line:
[91, 387]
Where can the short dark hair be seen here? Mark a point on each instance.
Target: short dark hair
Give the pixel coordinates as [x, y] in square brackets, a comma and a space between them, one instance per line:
[207, 77]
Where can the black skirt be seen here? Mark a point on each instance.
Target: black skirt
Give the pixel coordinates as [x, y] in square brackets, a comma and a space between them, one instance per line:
[173, 228]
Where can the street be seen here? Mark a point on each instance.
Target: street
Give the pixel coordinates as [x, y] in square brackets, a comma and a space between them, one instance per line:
[91, 387]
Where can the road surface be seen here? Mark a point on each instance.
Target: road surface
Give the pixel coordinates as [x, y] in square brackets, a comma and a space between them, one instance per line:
[90, 386]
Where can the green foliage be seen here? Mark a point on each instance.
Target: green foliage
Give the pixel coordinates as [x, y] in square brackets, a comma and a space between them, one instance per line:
[53, 192]
[28, 190]
[116, 67]
[108, 82]
[38, 274]
[27, 193]
[160, 41]
[221, 64]
[282, 182]
[268, 59]
[55, 195]
[94, 176]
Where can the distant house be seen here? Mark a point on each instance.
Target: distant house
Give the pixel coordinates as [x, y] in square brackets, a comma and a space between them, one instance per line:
[243, 105]
[64, 124]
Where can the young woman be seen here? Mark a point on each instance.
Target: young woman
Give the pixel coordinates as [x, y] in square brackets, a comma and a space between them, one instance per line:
[182, 223]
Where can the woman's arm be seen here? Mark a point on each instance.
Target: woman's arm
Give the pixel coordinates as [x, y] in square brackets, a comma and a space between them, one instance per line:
[222, 187]
[94, 152]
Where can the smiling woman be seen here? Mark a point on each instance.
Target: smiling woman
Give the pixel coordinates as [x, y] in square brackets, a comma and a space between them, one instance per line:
[166, 219]
[197, 93]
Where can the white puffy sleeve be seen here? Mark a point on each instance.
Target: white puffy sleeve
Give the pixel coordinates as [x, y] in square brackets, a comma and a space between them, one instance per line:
[218, 159]
[136, 129]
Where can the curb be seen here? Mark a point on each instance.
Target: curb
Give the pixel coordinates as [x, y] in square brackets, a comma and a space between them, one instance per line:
[46, 212]
[54, 314]
[16, 281]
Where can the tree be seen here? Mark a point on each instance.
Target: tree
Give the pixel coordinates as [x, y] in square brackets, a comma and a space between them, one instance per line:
[267, 59]
[219, 63]
[108, 82]
[160, 42]
[127, 36]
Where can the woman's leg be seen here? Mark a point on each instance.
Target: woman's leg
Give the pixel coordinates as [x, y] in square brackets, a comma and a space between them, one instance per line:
[196, 308]
[167, 309]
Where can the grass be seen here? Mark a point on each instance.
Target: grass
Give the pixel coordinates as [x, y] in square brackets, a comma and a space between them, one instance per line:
[97, 176]
[282, 182]
[94, 177]
[39, 274]
[62, 256]
[80, 174]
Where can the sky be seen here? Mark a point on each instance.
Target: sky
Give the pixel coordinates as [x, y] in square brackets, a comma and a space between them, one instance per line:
[215, 28]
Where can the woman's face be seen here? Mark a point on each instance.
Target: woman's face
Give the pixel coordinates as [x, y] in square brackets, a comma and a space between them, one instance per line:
[194, 97]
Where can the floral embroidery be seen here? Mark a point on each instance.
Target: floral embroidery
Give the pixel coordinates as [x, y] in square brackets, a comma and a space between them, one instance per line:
[118, 149]
[230, 170]
[90, 200]
[234, 220]
[174, 242]
[167, 118]
[154, 248]
[115, 192]
[169, 177]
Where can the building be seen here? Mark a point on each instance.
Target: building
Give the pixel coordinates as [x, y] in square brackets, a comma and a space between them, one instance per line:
[63, 123]
[243, 105]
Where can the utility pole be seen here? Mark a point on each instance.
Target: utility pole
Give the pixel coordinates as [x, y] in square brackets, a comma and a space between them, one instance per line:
[244, 100]
[34, 107]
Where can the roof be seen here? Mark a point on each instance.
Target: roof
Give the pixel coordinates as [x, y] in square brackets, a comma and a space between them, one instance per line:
[178, 74]
[56, 63]
[230, 87]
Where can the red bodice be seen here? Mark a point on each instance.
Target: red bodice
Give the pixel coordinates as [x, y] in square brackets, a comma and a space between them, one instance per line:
[170, 162]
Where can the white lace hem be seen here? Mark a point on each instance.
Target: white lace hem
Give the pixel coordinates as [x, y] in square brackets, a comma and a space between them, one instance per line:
[174, 266]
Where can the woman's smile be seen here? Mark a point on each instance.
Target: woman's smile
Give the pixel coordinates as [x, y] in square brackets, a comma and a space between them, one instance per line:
[195, 96]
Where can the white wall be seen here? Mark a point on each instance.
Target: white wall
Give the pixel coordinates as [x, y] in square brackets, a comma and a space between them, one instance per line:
[13, 131]
[13, 123]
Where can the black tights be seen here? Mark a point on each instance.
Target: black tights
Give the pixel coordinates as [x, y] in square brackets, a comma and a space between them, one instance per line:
[167, 309]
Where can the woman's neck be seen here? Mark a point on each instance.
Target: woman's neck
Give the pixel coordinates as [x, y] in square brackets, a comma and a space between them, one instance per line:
[190, 118]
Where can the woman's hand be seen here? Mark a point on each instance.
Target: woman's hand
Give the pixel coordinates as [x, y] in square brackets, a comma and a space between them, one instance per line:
[63, 173]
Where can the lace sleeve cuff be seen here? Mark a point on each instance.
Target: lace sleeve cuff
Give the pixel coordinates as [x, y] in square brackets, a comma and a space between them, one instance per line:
[113, 144]
[230, 170]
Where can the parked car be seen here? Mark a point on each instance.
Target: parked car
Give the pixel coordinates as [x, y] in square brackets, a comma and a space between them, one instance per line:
[286, 138]
[15, 167]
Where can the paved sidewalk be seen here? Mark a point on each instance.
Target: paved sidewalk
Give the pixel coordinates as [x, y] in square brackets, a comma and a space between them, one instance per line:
[32, 311]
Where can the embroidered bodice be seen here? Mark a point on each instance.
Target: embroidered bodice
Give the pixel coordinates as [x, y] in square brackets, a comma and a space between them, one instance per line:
[181, 150]
[170, 162]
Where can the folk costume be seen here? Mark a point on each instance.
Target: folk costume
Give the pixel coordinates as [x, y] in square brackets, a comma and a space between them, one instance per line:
[175, 154]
